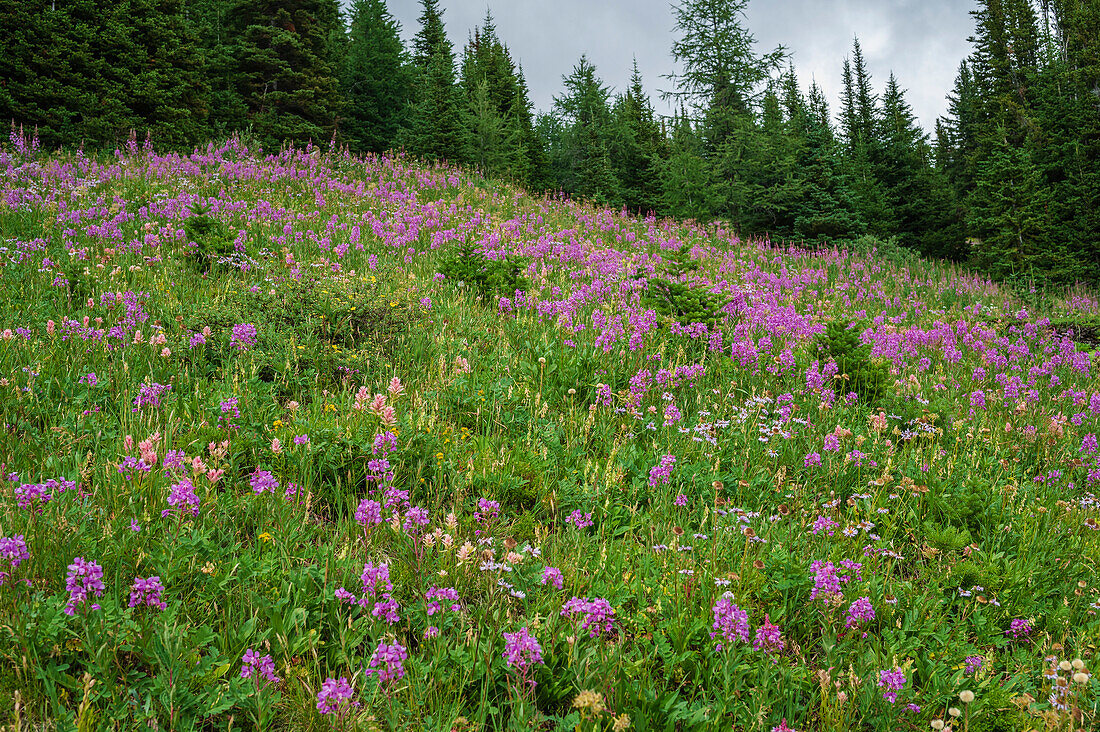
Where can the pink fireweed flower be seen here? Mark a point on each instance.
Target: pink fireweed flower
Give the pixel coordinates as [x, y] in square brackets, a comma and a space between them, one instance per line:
[598, 615]
[369, 513]
[860, 611]
[149, 395]
[769, 638]
[377, 593]
[892, 680]
[435, 594]
[521, 650]
[244, 336]
[263, 481]
[301, 440]
[552, 575]
[253, 665]
[84, 579]
[335, 696]
[824, 524]
[730, 621]
[147, 591]
[580, 519]
[662, 472]
[388, 662]
[1019, 628]
[13, 551]
[415, 519]
[182, 499]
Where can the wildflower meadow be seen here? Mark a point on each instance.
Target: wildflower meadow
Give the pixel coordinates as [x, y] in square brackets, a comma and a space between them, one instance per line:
[311, 441]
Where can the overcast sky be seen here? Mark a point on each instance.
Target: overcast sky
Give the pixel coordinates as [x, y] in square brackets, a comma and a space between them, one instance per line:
[922, 41]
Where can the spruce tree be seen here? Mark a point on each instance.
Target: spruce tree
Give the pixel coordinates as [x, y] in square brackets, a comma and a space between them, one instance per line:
[284, 68]
[583, 157]
[376, 79]
[435, 130]
[635, 146]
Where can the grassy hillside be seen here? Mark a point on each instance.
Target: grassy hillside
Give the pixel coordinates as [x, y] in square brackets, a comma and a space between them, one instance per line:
[437, 455]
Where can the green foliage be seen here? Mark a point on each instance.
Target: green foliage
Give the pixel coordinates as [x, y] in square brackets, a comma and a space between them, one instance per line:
[285, 66]
[376, 79]
[858, 371]
[211, 238]
[489, 278]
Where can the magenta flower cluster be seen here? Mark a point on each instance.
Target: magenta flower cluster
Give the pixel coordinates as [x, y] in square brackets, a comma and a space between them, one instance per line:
[892, 680]
[598, 615]
[552, 576]
[388, 662]
[447, 594]
[335, 696]
[521, 650]
[253, 665]
[244, 336]
[147, 591]
[377, 593]
[84, 580]
[730, 621]
[13, 551]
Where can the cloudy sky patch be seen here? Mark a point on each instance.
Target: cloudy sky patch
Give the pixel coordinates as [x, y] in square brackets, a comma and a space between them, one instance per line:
[922, 41]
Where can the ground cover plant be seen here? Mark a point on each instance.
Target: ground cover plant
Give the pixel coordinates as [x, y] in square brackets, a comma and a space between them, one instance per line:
[313, 441]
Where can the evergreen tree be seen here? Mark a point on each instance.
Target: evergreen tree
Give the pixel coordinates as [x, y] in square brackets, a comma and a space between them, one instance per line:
[376, 80]
[435, 131]
[635, 146]
[228, 110]
[582, 156]
[722, 75]
[495, 97]
[687, 189]
[284, 68]
[83, 72]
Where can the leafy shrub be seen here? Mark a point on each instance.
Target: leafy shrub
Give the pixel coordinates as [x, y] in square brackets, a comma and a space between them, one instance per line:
[487, 277]
[865, 377]
[212, 238]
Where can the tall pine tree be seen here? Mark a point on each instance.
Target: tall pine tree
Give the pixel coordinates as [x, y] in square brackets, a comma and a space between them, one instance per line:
[435, 131]
[285, 68]
[376, 80]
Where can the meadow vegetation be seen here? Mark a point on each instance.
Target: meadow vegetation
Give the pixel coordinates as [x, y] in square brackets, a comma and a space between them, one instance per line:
[316, 441]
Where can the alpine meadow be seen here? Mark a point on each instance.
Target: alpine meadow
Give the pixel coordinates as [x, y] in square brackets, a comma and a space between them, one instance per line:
[342, 389]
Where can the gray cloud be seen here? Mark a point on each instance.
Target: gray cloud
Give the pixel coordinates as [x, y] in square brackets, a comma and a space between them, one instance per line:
[922, 41]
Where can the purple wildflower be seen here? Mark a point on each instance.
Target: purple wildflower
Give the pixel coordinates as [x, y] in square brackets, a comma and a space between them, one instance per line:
[435, 594]
[13, 551]
[893, 681]
[580, 519]
[253, 665]
[368, 512]
[661, 472]
[769, 638]
[149, 395]
[730, 621]
[860, 611]
[244, 336]
[552, 575]
[1019, 628]
[521, 649]
[147, 591]
[263, 481]
[599, 616]
[84, 578]
[334, 696]
[388, 662]
[182, 499]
